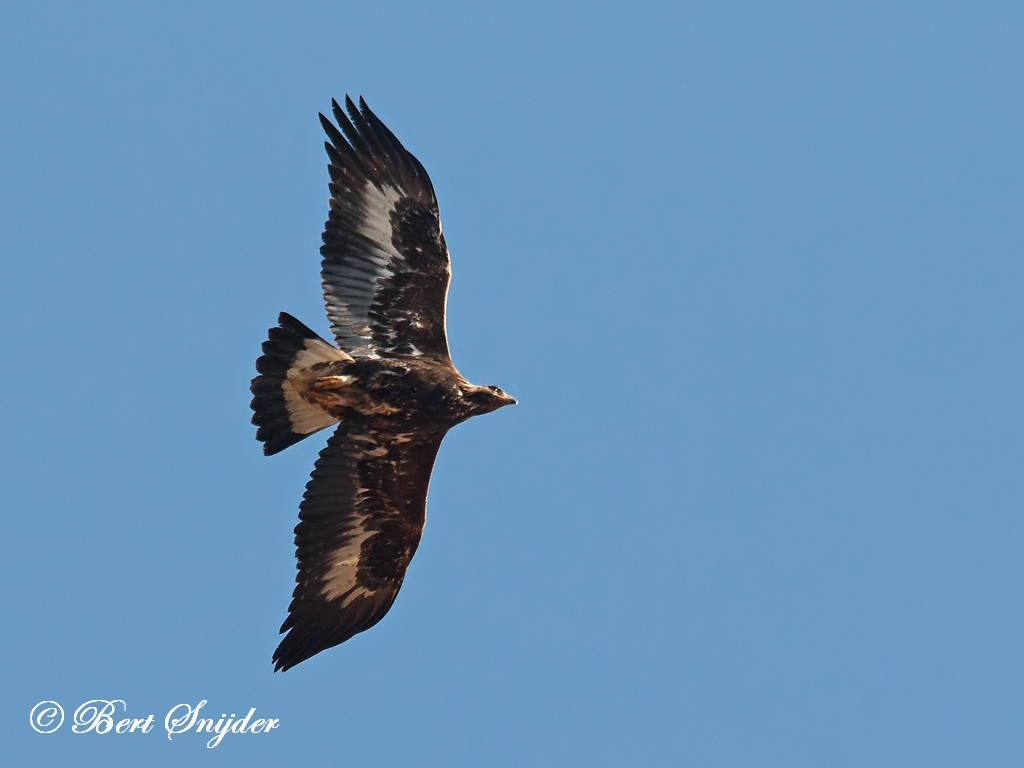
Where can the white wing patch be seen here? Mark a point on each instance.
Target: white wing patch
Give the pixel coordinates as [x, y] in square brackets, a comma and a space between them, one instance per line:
[350, 288]
[340, 581]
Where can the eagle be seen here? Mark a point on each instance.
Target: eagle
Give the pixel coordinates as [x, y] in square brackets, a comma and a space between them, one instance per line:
[388, 383]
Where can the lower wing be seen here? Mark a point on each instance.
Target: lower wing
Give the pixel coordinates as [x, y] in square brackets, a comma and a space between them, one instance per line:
[361, 519]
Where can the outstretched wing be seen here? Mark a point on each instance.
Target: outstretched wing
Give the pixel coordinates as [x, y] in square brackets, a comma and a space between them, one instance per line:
[385, 263]
[360, 523]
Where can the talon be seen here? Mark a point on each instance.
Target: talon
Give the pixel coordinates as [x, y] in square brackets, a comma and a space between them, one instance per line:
[331, 382]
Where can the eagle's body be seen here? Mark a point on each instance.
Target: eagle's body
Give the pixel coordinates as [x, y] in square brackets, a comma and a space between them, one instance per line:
[389, 385]
[413, 394]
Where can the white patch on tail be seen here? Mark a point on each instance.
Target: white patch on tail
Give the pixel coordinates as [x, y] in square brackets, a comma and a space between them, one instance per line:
[307, 418]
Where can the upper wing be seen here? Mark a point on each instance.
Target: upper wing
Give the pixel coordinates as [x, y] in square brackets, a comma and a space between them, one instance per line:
[385, 263]
[360, 523]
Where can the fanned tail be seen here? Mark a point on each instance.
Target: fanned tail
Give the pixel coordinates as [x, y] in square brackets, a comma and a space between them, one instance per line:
[283, 415]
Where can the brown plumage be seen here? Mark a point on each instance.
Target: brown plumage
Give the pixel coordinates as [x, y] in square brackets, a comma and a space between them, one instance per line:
[389, 385]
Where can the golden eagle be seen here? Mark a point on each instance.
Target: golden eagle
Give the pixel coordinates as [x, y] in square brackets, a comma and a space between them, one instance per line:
[389, 385]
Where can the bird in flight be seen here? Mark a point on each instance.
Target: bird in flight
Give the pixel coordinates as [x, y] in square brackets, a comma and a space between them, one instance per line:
[388, 383]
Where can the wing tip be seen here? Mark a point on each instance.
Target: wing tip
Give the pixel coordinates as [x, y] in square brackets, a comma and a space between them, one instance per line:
[296, 647]
[373, 148]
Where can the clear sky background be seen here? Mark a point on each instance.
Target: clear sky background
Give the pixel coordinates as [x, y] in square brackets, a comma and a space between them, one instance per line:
[754, 272]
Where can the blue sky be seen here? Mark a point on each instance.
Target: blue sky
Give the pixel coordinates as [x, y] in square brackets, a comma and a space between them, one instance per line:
[754, 272]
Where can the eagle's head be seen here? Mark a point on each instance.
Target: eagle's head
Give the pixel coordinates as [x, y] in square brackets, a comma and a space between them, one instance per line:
[484, 399]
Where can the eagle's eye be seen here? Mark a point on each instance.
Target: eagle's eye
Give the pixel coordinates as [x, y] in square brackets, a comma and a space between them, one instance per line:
[495, 390]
